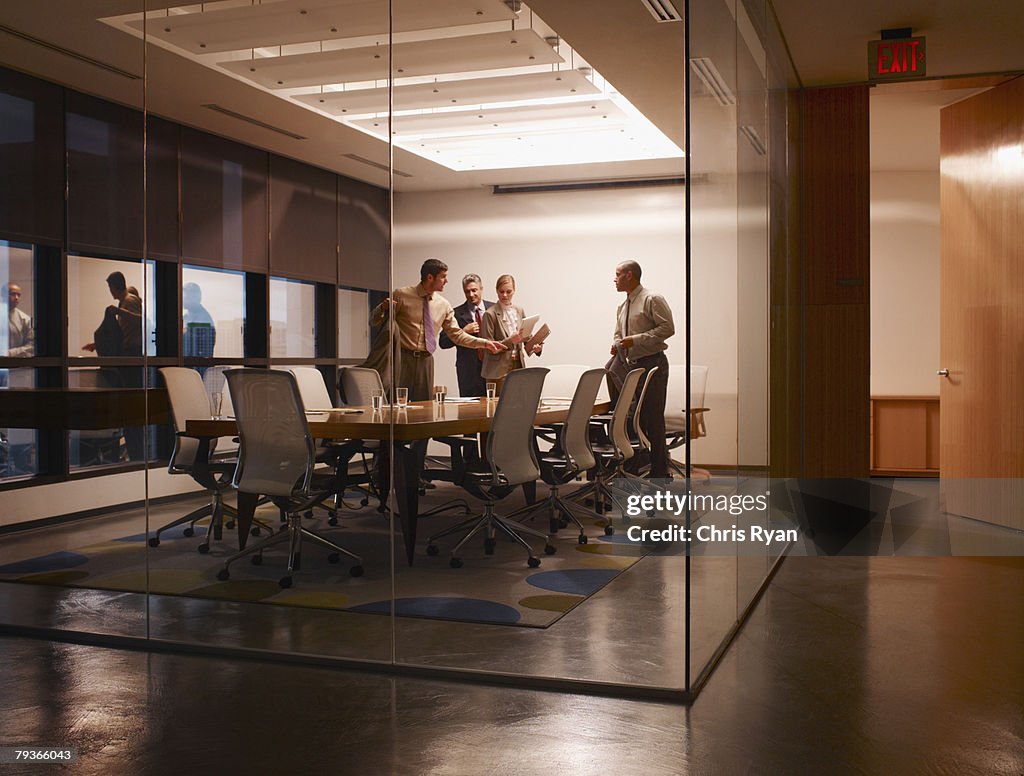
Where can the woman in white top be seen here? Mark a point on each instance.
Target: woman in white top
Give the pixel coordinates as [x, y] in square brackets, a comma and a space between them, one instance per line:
[503, 322]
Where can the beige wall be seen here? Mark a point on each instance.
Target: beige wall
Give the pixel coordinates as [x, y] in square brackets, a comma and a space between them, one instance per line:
[562, 248]
[904, 282]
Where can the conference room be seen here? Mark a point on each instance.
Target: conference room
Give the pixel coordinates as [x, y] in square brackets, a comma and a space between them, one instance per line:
[206, 203]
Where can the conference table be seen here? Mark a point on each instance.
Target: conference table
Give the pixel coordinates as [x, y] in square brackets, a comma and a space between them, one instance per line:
[403, 428]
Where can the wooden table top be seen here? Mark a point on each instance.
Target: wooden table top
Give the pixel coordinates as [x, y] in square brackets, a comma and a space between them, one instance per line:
[421, 420]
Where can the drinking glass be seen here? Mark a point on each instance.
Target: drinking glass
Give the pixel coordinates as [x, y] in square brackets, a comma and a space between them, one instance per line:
[216, 401]
[440, 392]
[401, 397]
[492, 389]
[377, 401]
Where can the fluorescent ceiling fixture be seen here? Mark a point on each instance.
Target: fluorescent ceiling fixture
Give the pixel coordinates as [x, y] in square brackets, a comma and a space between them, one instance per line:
[713, 81]
[474, 85]
[489, 51]
[302, 21]
[446, 94]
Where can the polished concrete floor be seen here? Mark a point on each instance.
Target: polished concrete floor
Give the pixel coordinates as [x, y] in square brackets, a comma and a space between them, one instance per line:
[895, 665]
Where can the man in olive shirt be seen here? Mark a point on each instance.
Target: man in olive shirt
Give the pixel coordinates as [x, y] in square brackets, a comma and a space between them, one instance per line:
[642, 324]
[420, 314]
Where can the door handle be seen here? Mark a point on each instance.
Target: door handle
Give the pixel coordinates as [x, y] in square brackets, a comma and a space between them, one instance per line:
[943, 373]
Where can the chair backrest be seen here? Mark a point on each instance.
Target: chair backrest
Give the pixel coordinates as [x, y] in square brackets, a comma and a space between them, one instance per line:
[645, 443]
[189, 401]
[675, 406]
[575, 432]
[618, 433]
[312, 387]
[510, 443]
[563, 379]
[276, 452]
[358, 384]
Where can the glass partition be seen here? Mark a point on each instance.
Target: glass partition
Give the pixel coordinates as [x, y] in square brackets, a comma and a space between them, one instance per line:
[550, 161]
[75, 442]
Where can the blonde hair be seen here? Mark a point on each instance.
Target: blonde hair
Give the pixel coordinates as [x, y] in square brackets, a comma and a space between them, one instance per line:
[503, 279]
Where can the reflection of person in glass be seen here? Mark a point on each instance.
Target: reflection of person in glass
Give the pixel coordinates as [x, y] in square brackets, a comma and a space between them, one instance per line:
[200, 334]
[21, 336]
[120, 334]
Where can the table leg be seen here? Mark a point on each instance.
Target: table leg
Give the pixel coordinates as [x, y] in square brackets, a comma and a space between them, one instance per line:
[246, 510]
[408, 463]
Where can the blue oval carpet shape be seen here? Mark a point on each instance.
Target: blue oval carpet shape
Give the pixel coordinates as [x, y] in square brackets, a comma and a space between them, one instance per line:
[448, 607]
[575, 581]
[52, 562]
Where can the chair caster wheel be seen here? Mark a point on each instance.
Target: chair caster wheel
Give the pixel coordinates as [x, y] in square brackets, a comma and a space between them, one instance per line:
[333, 557]
[432, 550]
[422, 491]
[609, 530]
[489, 546]
[285, 582]
[533, 562]
[332, 520]
[364, 502]
[356, 571]
[230, 525]
[455, 563]
[190, 531]
[154, 542]
[651, 513]
[202, 549]
[308, 514]
[382, 509]
[257, 560]
[254, 531]
[223, 575]
[550, 549]
[583, 539]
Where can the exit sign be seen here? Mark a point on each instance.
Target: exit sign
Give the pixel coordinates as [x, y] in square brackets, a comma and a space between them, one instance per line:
[896, 58]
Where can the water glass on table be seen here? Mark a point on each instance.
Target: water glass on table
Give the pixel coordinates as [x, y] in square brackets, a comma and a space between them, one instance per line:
[216, 402]
[492, 389]
[377, 401]
[401, 397]
[440, 392]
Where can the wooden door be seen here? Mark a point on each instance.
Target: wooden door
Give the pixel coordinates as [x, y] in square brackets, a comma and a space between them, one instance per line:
[982, 299]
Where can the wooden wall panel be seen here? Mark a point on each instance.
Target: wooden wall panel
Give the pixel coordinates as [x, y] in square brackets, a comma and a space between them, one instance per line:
[223, 202]
[364, 222]
[835, 247]
[303, 221]
[31, 159]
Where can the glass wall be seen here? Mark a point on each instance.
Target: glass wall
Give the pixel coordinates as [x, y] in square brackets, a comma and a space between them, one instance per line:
[508, 139]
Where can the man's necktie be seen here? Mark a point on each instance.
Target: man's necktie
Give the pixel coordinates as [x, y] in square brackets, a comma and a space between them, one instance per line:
[625, 321]
[479, 332]
[429, 336]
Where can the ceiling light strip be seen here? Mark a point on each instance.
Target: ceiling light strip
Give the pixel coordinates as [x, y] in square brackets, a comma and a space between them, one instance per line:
[712, 79]
[662, 10]
[622, 183]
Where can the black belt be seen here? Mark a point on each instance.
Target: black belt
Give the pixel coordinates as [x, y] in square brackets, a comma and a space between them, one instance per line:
[417, 353]
[645, 360]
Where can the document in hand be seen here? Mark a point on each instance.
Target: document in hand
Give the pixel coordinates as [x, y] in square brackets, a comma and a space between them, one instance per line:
[539, 336]
[527, 326]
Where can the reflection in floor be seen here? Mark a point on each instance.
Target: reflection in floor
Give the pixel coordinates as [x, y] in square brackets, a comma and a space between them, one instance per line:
[907, 665]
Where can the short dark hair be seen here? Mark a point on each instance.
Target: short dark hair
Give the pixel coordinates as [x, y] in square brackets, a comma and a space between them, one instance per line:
[432, 267]
[116, 281]
[629, 265]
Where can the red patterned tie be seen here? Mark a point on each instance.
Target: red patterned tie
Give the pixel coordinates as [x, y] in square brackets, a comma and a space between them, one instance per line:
[479, 332]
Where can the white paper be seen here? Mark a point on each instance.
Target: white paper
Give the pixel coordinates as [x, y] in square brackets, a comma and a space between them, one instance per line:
[526, 328]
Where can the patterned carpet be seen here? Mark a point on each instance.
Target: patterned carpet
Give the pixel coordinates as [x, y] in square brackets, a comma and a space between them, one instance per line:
[497, 588]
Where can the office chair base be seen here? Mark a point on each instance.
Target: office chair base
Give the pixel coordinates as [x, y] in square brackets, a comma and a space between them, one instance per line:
[490, 523]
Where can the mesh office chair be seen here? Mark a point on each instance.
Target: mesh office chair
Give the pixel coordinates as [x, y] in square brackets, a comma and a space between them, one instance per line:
[641, 444]
[358, 385]
[98, 446]
[276, 458]
[612, 456]
[189, 401]
[512, 460]
[573, 456]
[678, 425]
[334, 453]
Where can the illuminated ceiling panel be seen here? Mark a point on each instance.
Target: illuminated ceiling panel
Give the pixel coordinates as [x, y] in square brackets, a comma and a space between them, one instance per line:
[300, 21]
[463, 54]
[442, 94]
